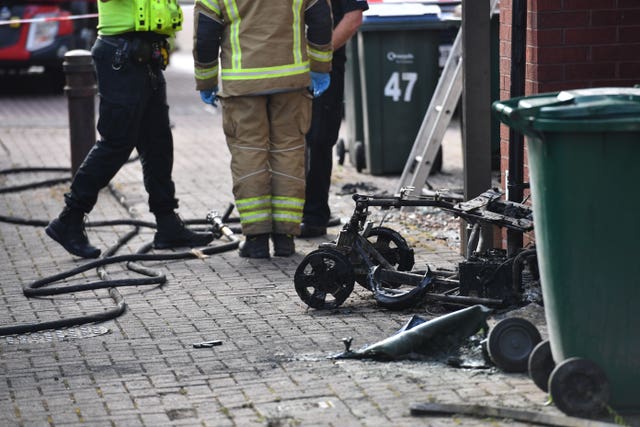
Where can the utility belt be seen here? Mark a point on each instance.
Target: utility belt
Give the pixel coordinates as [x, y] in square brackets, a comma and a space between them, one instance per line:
[139, 48]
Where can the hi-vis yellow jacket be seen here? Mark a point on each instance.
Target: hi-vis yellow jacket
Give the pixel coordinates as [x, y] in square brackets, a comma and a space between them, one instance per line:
[264, 46]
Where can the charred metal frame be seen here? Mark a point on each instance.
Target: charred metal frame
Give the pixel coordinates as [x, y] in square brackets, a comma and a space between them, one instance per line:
[383, 271]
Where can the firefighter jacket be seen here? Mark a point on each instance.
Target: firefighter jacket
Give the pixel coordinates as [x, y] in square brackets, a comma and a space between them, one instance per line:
[260, 46]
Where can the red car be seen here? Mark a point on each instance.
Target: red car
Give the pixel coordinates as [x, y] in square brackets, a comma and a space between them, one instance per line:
[35, 35]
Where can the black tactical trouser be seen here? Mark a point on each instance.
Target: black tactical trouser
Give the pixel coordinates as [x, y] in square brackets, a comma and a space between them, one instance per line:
[133, 114]
[326, 117]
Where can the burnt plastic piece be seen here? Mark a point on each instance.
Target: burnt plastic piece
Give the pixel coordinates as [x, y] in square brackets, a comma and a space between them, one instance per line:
[393, 297]
[487, 275]
[428, 338]
[207, 344]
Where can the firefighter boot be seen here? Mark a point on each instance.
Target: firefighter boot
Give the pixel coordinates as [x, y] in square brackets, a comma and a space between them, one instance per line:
[173, 233]
[68, 230]
[283, 244]
[255, 246]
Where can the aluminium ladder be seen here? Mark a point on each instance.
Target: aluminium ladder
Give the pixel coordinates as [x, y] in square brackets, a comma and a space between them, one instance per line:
[436, 119]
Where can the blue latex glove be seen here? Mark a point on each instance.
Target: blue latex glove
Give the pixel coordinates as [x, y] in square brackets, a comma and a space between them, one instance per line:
[209, 96]
[319, 83]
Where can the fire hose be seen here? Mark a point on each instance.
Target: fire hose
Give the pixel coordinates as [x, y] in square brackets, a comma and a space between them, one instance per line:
[40, 287]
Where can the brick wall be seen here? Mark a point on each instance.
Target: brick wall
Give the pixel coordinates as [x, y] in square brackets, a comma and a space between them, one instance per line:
[582, 43]
[572, 44]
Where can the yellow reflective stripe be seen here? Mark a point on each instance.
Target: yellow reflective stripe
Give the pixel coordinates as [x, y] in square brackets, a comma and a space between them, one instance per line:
[320, 55]
[211, 4]
[288, 213]
[287, 209]
[206, 73]
[234, 16]
[288, 202]
[297, 50]
[265, 73]
[287, 217]
[255, 216]
[253, 203]
[254, 220]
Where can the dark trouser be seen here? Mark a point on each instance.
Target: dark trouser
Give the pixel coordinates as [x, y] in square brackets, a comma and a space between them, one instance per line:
[325, 126]
[133, 114]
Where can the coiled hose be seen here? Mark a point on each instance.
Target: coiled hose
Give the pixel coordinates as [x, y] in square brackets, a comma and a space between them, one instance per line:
[40, 287]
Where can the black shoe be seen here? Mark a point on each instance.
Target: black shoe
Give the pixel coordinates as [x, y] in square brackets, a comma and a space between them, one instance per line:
[333, 221]
[283, 244]
[308, 230]
[173, 233]
[255, 246]
[68, 230]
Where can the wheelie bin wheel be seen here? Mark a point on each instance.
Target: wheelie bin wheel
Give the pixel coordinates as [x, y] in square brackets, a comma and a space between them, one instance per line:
[541, 364]
[437, 162]
[510, 342]
[324, 279]
[359, 155]
[340, 151]
[579, 387]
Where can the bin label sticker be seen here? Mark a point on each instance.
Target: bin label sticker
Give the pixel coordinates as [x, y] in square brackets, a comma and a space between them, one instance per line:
[399, 81]
[400, 58]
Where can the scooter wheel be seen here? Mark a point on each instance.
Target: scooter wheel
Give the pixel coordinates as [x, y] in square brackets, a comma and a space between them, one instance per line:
[324, 279]
[393, 248]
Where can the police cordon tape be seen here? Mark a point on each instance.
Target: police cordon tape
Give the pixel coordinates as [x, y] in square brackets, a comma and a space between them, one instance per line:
[48, 19]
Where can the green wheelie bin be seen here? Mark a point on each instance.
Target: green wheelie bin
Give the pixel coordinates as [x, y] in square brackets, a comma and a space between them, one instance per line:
[583, 153]
[393, 68]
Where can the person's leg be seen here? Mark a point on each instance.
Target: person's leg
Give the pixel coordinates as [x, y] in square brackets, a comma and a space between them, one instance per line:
[121, 94]
[155, 146]
[246, 127]
[118, 125]
[322, 136]
[290, 115]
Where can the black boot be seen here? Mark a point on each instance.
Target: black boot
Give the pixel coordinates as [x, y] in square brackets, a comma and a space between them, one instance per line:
[283, 244]
[309, 230]
[255, 246]
[68, 230]
[173, 233]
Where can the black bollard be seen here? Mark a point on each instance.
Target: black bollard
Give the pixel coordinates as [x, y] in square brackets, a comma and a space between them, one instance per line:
[81, 92]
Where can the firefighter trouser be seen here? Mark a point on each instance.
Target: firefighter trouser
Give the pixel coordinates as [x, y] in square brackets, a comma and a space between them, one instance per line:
[266, 137]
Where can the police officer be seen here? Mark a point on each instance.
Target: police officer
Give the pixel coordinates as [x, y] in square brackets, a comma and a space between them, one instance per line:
[325, 121]
[267, 53]
[129, 57]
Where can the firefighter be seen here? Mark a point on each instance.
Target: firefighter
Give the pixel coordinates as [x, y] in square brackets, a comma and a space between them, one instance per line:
[129, 57]
[270, 54]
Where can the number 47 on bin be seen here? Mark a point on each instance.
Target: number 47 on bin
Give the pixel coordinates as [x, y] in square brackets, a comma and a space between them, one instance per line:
[394, 86]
